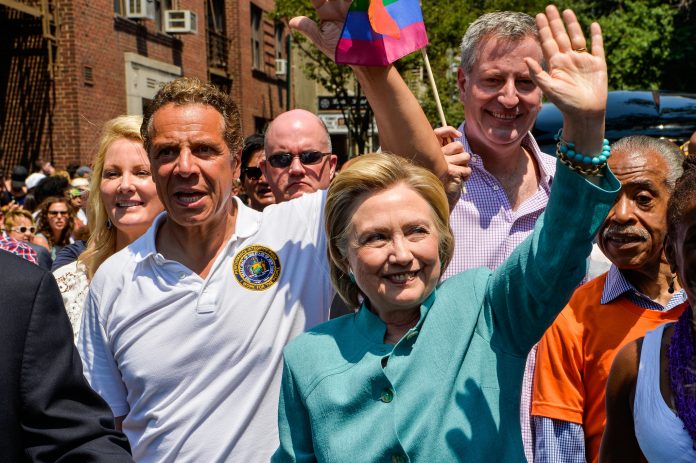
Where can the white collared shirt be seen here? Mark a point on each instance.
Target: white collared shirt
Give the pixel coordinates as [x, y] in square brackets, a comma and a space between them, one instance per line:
[195, 364]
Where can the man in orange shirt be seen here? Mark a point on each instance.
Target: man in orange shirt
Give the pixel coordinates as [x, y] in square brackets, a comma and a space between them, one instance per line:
[638, 293]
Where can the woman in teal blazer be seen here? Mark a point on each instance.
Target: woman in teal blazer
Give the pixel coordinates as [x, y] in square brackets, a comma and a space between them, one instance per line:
[432, 372]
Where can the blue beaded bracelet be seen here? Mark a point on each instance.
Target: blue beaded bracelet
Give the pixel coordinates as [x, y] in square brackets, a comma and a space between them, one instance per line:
[565, 150]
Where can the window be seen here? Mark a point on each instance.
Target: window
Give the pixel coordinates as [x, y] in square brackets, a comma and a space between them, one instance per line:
[279, 42]
[216, 16]
[256, 38]
[160, 7]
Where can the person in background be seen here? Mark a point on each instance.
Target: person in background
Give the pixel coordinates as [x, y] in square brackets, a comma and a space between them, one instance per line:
[5, 196]
[83, 172]
[53, 185]
[79, 194]
[56, 221]
[19, 225]
[639, 293]
[651, 395]
[72, 169]
[123, 203]
[298, 157]
[256, 188]
[18, 188]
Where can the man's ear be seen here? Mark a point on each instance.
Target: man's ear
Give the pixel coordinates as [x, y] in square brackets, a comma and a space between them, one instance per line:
[461, 83]
[333, 160]
[238, 164]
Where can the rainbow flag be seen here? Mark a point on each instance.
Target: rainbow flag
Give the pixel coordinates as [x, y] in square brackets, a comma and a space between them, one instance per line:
[379, 32]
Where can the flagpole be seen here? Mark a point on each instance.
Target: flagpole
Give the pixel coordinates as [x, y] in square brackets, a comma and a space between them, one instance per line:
[438, 103]
[431, 78]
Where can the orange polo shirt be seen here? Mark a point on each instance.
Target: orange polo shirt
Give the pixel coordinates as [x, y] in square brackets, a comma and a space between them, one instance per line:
[576, 353]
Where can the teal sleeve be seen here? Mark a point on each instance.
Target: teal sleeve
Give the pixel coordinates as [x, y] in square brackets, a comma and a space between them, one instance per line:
[525, 294]
[294, 426]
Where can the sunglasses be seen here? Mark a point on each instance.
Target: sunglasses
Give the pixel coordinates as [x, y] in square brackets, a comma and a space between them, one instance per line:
[253, 173]
[24, 229]
[76, 192]
[55, 213]
[307, 158]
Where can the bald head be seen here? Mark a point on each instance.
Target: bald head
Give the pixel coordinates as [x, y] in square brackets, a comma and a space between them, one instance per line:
[296, 120]
[293, 133]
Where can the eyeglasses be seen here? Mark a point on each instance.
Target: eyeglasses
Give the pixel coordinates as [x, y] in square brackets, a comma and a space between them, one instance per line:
[253, 173]
[55, 213]
[307, 158]
[24, 229]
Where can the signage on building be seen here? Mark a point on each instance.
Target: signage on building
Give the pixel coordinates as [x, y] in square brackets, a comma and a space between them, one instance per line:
[334, 103]
[335, 123]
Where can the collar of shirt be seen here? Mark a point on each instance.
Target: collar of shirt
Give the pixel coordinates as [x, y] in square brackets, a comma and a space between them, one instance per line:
[247, 224]
[546, 163]
[373, 328]
[617, 285]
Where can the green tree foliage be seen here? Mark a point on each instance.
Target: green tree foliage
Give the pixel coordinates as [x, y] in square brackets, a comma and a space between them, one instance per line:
[649, 44]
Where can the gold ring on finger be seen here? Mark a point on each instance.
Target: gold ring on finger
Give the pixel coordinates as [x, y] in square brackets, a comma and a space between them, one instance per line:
[580, 50]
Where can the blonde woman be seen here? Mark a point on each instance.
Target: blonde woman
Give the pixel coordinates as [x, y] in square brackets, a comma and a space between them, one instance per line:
[122, 204]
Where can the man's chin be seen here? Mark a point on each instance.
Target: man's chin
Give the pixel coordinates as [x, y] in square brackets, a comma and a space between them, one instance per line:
[298, 190]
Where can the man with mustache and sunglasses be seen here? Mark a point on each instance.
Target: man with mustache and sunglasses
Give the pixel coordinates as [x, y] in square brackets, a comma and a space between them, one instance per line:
[298, 155]
[638, 293]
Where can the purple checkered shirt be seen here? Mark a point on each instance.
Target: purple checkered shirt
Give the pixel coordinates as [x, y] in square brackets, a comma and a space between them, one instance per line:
[18, 248]
[486, 229]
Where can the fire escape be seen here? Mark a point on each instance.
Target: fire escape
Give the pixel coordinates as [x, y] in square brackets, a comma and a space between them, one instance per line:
[28, 48]
[218, 45]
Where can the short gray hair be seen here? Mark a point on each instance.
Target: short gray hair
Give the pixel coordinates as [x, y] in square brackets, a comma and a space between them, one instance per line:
[508, 25]
[665, 148]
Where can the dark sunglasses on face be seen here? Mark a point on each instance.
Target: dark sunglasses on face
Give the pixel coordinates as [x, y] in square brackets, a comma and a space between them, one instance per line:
[253, 173]
[55, 213]
[307, 158]
[24, 229]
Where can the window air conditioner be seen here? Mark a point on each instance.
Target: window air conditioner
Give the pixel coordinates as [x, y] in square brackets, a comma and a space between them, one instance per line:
[140, 9]
[180, 22]
[281, 67]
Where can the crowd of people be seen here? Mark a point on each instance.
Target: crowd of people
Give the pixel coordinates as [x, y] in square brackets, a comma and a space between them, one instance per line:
[240, 299]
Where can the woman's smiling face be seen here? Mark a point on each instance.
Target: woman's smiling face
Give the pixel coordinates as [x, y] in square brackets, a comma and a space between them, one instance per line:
[393, 249]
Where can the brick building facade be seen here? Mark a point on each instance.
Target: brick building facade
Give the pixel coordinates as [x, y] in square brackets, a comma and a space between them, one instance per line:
[67, 66]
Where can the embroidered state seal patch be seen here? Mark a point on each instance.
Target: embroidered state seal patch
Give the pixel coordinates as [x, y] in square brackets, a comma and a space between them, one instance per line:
[256, 267]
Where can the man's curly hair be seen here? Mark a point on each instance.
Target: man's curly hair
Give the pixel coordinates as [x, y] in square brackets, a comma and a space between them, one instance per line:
[186, 91]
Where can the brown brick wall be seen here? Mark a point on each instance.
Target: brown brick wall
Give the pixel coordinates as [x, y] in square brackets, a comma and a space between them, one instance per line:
[260, 94]
[90, 35]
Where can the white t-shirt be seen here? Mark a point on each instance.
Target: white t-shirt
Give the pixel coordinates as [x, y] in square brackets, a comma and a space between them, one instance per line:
[195, 364]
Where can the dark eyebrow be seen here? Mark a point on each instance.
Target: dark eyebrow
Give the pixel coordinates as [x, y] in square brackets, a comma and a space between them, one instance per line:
[642, 184]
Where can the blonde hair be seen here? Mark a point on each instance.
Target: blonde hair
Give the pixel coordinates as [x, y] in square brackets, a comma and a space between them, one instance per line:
[102, 241]
[12, 215]
[372, 173]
